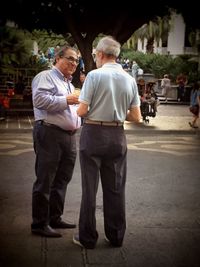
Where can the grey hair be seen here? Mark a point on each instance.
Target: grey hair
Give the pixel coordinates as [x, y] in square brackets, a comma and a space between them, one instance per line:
[60, 52]
[109, 46]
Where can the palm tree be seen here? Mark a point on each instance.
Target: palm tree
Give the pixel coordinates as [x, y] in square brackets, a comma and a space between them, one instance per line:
[153, 31]
[194, 39]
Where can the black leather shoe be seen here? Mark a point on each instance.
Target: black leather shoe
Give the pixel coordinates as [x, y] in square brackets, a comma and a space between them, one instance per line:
[116, 244]
[62, 225]
[46, 231]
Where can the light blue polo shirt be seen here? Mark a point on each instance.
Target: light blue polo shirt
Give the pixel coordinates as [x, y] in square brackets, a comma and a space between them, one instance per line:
[109, 92]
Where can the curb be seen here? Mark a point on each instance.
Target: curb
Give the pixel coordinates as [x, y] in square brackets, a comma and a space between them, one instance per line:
[166, 132]
[127, 131]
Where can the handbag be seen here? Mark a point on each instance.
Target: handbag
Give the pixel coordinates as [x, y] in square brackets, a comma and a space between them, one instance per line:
[194, 109]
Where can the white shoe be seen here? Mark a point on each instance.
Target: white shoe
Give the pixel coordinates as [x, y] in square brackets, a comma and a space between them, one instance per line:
[106, 239]
[76, 240]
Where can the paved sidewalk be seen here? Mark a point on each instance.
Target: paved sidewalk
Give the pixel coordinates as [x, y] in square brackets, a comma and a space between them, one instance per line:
[169, 119]
[164, 124]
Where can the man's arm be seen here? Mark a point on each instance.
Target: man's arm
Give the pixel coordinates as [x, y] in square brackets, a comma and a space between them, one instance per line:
[82, 110]
[198, 98]
[134, 114]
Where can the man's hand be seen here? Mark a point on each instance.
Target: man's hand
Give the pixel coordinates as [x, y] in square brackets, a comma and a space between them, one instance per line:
[72, 99]
[82, 110]
[134, 115]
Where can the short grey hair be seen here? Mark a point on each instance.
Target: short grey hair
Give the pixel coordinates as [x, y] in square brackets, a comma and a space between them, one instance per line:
[60, 52]
[109, 46]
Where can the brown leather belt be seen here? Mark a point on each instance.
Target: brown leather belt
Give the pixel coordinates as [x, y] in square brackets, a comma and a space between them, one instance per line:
[104, 123]
[41, 122]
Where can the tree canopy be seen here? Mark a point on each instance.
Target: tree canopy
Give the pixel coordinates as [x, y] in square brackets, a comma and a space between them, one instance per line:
[85, 20]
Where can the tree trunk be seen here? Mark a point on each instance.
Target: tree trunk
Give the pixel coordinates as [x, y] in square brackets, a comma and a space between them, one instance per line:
[149, 46]
[85, 48]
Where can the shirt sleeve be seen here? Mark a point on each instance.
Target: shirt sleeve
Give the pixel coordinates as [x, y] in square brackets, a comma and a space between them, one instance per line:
[87, 90]
[45, 94]
[136, 98]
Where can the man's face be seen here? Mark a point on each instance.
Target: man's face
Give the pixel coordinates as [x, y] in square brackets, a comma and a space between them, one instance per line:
[82, 77]
[68, 63]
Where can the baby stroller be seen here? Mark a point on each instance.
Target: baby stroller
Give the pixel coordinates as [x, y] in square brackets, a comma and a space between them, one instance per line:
[149, 101]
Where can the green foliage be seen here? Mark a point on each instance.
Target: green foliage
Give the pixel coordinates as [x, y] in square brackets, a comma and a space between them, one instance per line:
[47, 39]
[164, 64]
[16, 52]
[15, 47]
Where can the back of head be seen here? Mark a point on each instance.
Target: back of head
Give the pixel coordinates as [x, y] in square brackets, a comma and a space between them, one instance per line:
[165, 76]
[109, 46]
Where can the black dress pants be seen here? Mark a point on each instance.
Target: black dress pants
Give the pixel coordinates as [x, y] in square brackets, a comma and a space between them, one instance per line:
[55, 159]
[103, 153]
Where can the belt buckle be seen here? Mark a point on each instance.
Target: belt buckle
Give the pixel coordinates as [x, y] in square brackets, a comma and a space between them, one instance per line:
[72, 132]
[40, 122]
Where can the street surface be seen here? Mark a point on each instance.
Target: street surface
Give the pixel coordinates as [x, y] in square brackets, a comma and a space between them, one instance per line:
[162, 198]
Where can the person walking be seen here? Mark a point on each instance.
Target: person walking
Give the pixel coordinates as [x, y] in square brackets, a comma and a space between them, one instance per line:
[56, 123]
[195, 104]
[109, 96]
[165, 85]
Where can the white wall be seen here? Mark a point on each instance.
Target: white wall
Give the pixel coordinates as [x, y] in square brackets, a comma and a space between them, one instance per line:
[176, 38]
[35, 48]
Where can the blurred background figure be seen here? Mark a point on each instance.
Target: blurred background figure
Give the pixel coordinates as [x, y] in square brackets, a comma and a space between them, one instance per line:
[165, 85]
[19, 86]
[135, 68]
[82, 77]
[195, 104]
[79, 84]
[2, 108]
[181, 81]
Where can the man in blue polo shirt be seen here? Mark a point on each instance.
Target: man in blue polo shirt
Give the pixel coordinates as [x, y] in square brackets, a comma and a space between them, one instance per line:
[108, 97]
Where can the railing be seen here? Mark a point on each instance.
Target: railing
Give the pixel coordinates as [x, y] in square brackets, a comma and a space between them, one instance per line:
[15, 74]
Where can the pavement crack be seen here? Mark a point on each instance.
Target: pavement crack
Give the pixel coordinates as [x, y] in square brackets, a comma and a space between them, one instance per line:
[44, 250]
[84, 257]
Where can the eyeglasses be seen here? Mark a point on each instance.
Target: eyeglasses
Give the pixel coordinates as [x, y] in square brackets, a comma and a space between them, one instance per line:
[95, 55]
[72, 60]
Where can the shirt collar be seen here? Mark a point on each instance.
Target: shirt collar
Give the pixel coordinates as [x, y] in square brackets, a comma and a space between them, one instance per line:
[60, 74]
[115, 65]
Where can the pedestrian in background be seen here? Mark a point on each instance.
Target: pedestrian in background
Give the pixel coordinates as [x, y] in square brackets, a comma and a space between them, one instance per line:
[56, 122]
[181, 81]
[135, 69]
[2, 108]
[195, 104]
[109, 96]
[166, 86]
[82, 77]
[81, 80]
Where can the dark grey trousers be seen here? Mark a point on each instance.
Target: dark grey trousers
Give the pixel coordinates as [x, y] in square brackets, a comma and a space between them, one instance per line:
[103, 150]
[55, 159]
